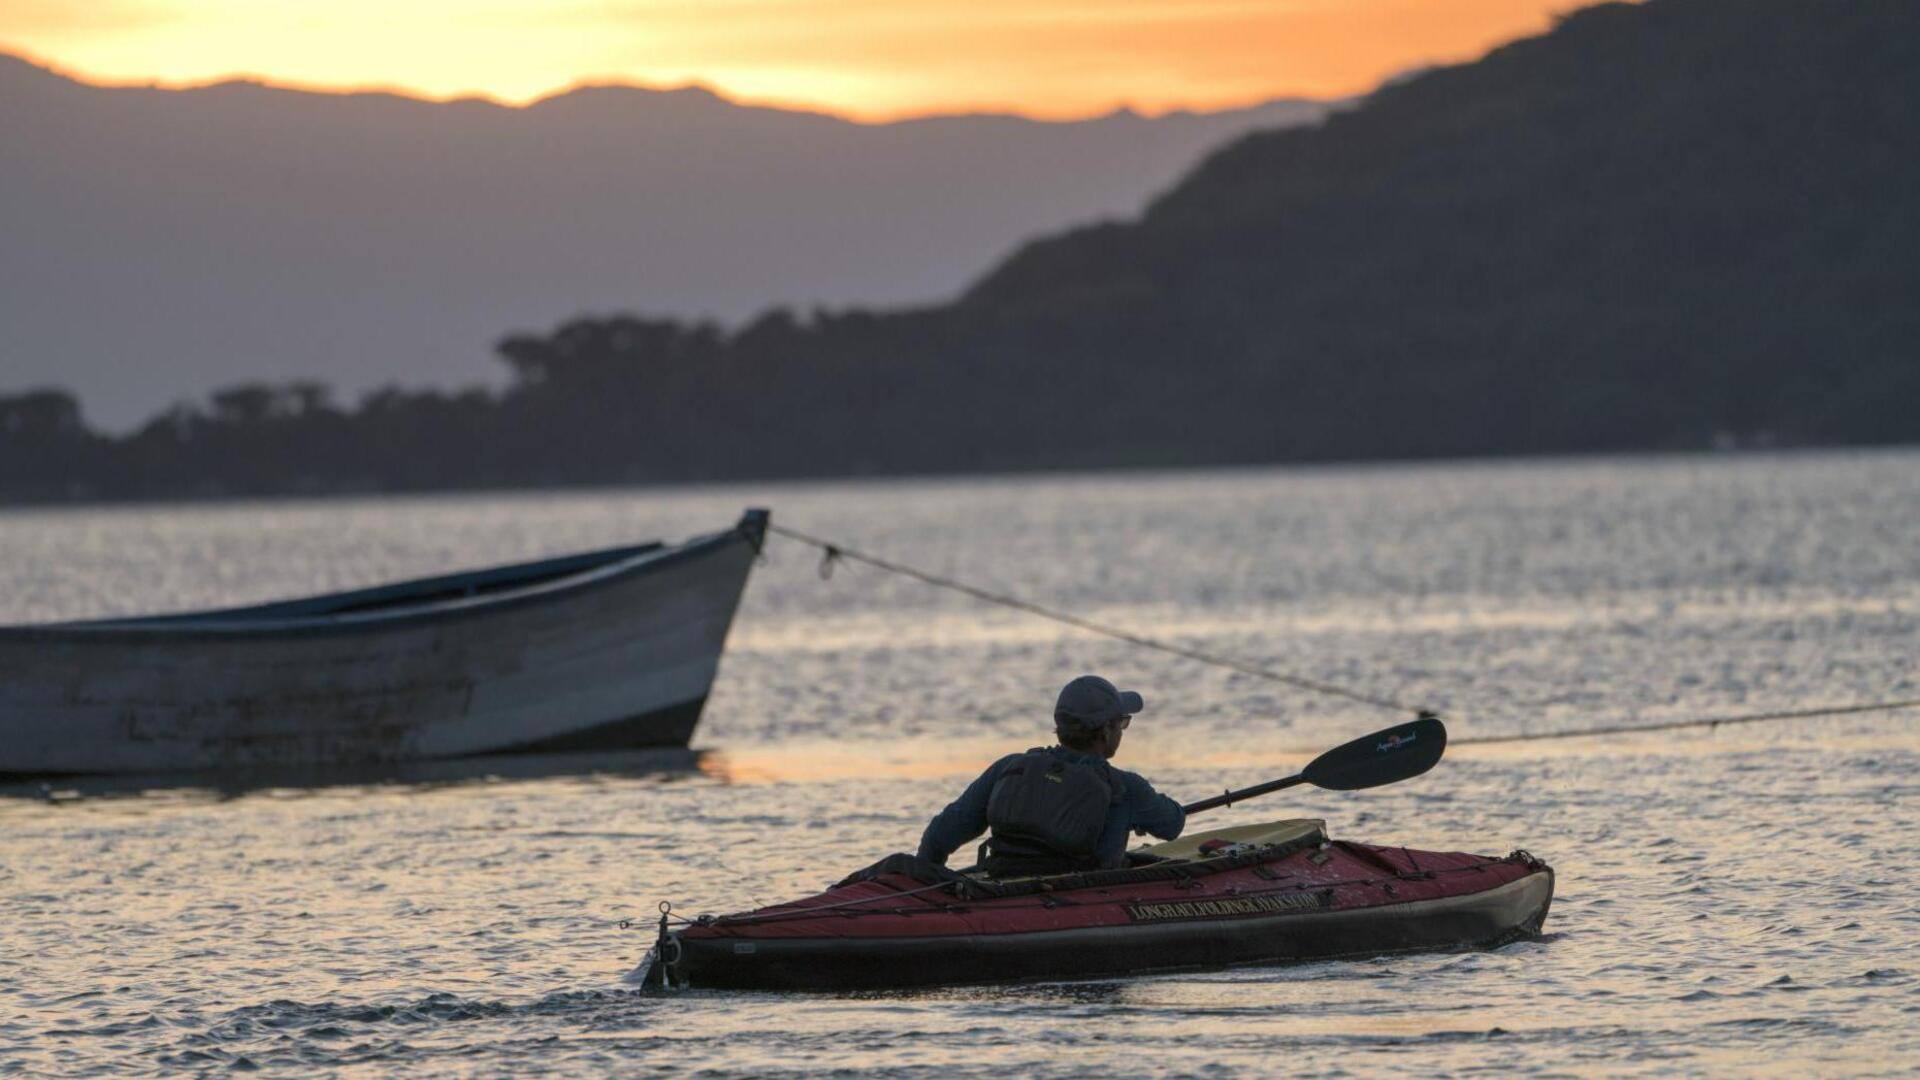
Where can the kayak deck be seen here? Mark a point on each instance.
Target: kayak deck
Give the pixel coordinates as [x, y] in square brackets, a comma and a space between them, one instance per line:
[1249, 895]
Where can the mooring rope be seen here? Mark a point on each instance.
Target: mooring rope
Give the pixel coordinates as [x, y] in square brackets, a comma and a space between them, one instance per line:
[1702, 721]
[833, 552]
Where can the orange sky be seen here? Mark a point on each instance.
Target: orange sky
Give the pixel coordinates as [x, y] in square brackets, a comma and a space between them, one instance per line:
[867, 58]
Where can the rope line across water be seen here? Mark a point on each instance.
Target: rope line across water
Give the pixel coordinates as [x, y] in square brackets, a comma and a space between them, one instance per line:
[1703, 721]
[833, 552]
[836, 551]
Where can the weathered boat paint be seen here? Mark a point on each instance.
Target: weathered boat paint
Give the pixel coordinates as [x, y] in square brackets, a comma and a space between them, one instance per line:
[603, 650]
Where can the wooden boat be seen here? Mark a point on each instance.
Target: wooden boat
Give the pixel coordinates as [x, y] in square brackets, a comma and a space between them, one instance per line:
[612, 649]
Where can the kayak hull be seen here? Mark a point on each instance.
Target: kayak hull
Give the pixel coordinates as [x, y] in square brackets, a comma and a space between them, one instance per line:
[1484, 920]
[1317, 902]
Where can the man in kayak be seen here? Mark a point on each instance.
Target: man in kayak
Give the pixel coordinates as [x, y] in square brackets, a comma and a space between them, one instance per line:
[1059, 808]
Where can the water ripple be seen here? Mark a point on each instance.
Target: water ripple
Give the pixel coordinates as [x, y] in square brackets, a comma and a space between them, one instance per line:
[1736, 901]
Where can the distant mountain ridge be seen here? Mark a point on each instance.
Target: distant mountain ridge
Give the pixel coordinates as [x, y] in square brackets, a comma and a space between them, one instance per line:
[1670, 225]
[162, 242]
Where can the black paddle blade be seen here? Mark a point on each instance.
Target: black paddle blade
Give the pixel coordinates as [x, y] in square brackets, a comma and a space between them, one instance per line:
[1384, 757]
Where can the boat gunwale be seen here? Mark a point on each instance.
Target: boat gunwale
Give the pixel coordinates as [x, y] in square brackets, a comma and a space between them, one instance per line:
[230, 624]
[775, 944]
[739, 926]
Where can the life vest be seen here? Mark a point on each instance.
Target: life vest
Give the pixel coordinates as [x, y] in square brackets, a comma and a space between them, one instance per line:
[1047, 814]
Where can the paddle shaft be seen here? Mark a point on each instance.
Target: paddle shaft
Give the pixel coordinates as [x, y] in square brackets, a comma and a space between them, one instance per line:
[1244, 793]
[1384, 757]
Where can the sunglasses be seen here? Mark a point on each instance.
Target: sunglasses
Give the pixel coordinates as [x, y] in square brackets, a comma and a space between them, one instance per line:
[1124, 721]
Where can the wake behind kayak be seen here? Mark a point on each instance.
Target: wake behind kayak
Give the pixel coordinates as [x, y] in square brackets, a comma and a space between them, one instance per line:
[1262, 894]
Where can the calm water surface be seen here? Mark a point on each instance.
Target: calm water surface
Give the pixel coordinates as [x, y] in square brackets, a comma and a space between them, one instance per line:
[1745, 900]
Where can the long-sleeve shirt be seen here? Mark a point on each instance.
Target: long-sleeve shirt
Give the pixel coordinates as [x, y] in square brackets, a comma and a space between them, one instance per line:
[1140, 808]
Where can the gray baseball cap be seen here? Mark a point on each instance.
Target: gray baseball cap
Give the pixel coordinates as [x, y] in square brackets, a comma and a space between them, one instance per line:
[1092, 702]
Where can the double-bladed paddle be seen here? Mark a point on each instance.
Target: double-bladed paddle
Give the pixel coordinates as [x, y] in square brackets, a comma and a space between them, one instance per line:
[1384, 757]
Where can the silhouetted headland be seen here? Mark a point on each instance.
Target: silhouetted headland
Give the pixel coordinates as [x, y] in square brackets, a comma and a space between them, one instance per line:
[1675, 225]
[157, 243]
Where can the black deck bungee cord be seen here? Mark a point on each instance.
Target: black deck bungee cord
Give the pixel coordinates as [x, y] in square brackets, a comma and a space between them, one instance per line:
[859, 905]
[833, 552]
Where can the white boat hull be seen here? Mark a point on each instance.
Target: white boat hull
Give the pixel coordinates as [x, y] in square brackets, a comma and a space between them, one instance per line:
[621, 655]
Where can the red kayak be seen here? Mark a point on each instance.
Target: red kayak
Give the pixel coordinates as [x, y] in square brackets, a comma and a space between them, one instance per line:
[1255, 894]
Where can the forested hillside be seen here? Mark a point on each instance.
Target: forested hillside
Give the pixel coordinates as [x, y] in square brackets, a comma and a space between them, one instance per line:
[1672, 225]
[158, 243]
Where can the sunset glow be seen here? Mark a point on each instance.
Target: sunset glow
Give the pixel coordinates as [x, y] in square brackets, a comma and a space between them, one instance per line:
[867, 58]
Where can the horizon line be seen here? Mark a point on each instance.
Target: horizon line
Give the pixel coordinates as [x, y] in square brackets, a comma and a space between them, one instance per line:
[589, 82]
